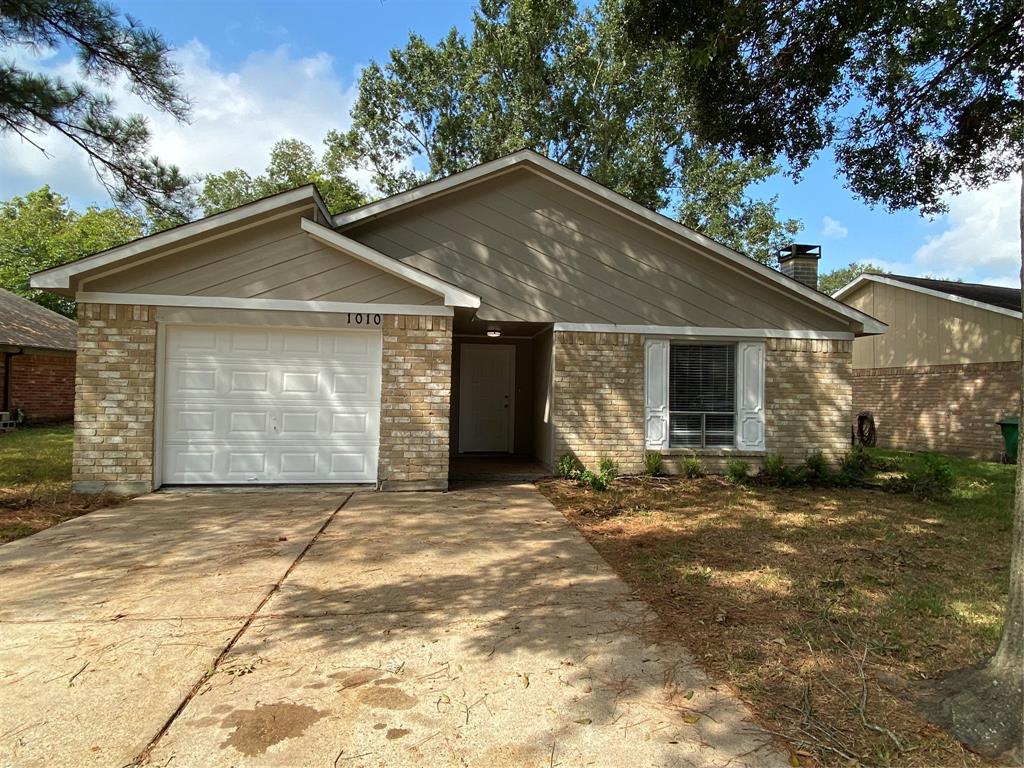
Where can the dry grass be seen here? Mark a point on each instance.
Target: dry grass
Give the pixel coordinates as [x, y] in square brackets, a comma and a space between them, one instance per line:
[806, 600]
[35, 482]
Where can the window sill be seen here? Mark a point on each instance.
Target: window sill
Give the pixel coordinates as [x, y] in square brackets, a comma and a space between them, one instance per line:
[711, 452]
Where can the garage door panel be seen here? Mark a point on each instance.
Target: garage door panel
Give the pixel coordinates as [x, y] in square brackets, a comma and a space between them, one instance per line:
[271, 406]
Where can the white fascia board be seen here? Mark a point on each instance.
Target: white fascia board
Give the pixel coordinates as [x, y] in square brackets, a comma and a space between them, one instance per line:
[60, 277]
[285, 305]
[699, 331]
[850, 287]
[656, 221]
[453, 295]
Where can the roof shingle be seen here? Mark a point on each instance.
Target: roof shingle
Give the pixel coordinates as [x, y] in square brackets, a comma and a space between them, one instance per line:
[1007, 298]
[24, 323]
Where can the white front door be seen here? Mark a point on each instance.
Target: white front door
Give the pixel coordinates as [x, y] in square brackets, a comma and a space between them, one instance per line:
[486, 398]
[246, 405]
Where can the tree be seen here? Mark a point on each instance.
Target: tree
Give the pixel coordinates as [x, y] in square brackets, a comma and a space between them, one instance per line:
[292, 164]
[830, 282]
[108, 47]
[916, 101]
[39, 231]
[564, 82]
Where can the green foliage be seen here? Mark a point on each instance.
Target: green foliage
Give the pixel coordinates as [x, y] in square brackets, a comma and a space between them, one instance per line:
[568, 467]
[108, 47]
[830, 282]
[816, 468]
[927, 477]
[692, 467]
[654, 464]
[775, 471]
[565, 82]
[737, 471]
[39, 231]
[915, 100]
[292, 164]
[601, 480]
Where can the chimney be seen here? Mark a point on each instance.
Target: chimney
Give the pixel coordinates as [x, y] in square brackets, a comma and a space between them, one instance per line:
[801, 263]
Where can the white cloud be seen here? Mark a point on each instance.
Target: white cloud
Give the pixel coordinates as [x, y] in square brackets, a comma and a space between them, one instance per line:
[980, 240]
[237, 116]
[833, 228]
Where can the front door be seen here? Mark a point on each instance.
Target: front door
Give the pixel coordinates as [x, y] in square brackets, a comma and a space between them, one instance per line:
[486, 394]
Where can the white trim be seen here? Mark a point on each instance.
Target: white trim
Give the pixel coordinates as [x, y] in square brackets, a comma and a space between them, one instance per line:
[291, 305]
[60, 277]
[453, 296]
[850, 287]
[696, 330]
[159, 385]
[656, 221]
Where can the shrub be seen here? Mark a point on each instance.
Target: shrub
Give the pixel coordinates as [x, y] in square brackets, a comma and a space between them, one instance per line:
[693, 467]
[600, 480]
[775, 471]
[737, 471]
[654, 464]
[608, 468]
[925, 477]
[856, 464]
[568, 467]
[816, 467]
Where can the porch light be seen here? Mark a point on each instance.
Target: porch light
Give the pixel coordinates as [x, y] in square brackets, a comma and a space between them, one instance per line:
[494, 333]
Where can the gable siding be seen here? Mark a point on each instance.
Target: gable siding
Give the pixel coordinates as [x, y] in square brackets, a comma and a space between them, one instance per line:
[275, 260]
[534, 250]
[928, 330]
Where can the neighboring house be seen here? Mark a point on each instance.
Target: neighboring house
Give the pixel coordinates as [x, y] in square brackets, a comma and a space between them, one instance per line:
[37, 361]
[948, 368]
[516, 308]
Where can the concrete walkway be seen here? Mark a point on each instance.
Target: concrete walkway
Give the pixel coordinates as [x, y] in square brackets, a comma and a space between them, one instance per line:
[474, 628]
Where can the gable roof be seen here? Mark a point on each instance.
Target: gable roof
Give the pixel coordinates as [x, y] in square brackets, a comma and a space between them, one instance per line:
[995, 298]
[530, 160]
[24, 323]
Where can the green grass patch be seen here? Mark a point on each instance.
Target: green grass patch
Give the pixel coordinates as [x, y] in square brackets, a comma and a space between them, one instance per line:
[36, 460]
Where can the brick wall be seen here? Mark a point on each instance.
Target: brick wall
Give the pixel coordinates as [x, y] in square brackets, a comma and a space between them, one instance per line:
[43, 386]
[808, 397]
[415, 402]
[598, 398]
[947, 408]
[113, 446]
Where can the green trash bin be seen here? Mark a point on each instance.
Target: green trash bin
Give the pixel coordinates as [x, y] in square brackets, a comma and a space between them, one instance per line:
[1011, 434]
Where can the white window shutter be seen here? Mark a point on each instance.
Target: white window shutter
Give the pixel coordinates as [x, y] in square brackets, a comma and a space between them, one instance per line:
[656, 394]
[750, 396]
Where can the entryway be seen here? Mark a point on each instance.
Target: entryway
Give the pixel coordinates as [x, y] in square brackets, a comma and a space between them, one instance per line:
[487, 387]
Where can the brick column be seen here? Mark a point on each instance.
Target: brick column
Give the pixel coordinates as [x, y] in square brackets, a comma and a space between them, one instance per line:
[598, 394]
[415, 402]
[114, 399]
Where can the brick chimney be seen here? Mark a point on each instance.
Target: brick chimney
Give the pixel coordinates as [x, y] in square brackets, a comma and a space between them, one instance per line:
[801, 263]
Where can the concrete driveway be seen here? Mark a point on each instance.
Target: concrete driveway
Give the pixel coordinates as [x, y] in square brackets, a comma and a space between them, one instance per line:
[473, 628]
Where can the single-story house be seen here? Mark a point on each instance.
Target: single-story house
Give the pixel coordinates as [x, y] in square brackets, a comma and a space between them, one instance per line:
[948, 368]
[37, 362]
[516, 308]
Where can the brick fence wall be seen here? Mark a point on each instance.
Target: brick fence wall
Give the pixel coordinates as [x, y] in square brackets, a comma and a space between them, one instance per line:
[598, 398]
[114, 400]
[808, 397]
[947, 408]
[43, 386]
[415, 402]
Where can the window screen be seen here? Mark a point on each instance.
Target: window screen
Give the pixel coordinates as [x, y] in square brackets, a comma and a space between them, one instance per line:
[702, 395]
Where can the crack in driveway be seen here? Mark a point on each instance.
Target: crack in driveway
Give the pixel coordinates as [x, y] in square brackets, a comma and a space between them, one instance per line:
[143, 756]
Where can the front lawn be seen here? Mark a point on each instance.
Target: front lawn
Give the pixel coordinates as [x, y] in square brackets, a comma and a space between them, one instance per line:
[35, 482]
[816, 604]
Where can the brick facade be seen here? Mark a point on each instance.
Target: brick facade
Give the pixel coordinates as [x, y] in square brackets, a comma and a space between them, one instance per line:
[808, 397]
[42, 385]
[415, 402]
[114, 401]
[947, 408]
[598, 398]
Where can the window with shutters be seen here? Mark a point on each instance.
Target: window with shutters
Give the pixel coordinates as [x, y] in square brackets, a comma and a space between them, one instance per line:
[702, 395]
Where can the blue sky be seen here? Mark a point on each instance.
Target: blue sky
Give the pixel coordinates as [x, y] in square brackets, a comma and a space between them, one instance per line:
[260, 71]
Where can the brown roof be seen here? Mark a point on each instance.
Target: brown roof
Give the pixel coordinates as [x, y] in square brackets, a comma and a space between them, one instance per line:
[24, 323]
[997, 296]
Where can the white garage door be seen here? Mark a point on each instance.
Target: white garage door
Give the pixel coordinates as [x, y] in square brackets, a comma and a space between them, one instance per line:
[245, 405]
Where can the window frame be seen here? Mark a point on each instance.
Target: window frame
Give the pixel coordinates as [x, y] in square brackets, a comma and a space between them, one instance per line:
[734, 413]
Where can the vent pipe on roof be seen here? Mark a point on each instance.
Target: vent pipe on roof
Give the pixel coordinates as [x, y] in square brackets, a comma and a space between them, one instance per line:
[801, 263]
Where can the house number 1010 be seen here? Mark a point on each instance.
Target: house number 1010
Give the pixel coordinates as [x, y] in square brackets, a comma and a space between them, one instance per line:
[363, 319]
